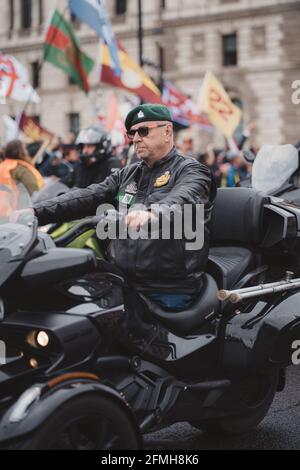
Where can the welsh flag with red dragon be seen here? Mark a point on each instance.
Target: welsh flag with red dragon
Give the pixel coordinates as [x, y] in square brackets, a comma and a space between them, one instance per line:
[62, 50]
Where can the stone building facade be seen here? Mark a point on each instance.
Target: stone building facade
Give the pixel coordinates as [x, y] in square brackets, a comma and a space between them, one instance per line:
[253, 46]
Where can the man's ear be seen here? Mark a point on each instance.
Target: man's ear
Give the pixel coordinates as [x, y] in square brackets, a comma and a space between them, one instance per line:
[168, 131]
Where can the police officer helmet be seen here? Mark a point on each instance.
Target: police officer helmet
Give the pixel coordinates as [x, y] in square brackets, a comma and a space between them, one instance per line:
[94, 136]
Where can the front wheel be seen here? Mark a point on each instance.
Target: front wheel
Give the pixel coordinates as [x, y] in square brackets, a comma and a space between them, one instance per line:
[256, 395]
[85, 423]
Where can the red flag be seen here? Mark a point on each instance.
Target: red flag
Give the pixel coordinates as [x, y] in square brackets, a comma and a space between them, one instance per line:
[31, 128]
[183, 109]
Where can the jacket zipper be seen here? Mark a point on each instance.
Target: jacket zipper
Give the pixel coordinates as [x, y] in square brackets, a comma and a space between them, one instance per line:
[145, 199]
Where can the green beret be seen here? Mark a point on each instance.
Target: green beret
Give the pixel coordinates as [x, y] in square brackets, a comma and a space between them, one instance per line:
[147, 112]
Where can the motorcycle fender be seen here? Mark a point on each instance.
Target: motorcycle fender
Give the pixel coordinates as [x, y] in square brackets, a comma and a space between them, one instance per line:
[36, 405]
[266, 335]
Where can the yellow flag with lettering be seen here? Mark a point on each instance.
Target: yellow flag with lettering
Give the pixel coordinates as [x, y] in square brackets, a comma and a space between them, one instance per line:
[215, 101]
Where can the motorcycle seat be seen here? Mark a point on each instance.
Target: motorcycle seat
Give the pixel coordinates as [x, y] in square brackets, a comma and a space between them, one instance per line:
[237, 230]
[203, 309]
[228, 264]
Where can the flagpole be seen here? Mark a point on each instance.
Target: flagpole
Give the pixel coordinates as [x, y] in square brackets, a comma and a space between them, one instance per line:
[141, 33]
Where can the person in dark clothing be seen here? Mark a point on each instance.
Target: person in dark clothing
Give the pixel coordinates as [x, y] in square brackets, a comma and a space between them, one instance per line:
[161, 179]
[96, 158]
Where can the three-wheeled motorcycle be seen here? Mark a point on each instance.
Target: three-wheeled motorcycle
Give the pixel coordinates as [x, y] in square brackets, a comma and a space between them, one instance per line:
[87, 361]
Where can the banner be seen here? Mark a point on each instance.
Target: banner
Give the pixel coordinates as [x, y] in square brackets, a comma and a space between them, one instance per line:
[214, 101]
[32, 129]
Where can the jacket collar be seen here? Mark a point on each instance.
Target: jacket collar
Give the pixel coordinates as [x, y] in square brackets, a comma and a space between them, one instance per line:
[161, 162]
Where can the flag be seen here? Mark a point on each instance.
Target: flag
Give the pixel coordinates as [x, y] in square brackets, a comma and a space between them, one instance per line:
[62, 50]
[32, 129]
[184, 111]
[214, 101]
[11, 128]
[132, 78]
[94, 14]
[114, 121]
[15, 80]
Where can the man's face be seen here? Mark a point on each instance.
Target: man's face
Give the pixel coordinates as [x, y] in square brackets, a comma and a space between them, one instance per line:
[89, 149]
[73, 156]
[153, 145]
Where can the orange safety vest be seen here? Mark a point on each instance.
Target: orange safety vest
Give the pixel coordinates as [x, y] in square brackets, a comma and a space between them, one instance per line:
[9, 193]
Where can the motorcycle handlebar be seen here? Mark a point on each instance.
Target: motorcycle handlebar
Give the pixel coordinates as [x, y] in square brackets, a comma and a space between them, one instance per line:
[83, 226]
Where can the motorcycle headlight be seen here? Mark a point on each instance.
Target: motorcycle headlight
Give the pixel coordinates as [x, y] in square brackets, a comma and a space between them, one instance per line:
[42, 339]
[38, 339]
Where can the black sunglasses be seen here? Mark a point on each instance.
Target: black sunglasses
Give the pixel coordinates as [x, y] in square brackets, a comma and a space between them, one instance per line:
[143, 131]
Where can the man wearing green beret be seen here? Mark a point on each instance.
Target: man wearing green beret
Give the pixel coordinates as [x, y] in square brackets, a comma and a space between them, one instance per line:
[162, 268]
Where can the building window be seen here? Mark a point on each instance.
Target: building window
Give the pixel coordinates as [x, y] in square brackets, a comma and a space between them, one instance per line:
[35, 74]
[11, 15]
[121, 7]
[41, 12]
[230, 56]
[26, 14]
[74, 122]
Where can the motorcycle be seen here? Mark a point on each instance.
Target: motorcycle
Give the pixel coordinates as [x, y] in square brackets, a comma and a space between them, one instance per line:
[90, 362]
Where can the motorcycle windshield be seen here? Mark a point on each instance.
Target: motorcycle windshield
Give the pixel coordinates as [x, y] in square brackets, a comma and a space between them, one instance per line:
[15, 238]
[273, 167]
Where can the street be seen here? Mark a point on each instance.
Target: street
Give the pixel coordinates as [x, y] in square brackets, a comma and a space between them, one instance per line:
[280, 430]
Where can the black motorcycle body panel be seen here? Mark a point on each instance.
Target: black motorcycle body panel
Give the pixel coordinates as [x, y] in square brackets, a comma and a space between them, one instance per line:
[263, 334]
[97, 323]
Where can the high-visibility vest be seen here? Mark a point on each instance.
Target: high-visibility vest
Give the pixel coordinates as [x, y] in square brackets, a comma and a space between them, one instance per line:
[9, 193]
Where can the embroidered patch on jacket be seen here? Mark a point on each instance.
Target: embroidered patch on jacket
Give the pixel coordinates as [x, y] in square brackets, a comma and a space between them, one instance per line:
[163, 180]
[131, 188]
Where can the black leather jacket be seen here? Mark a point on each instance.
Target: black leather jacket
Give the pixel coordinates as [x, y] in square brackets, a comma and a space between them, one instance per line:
[83, 175]
[154, 265]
